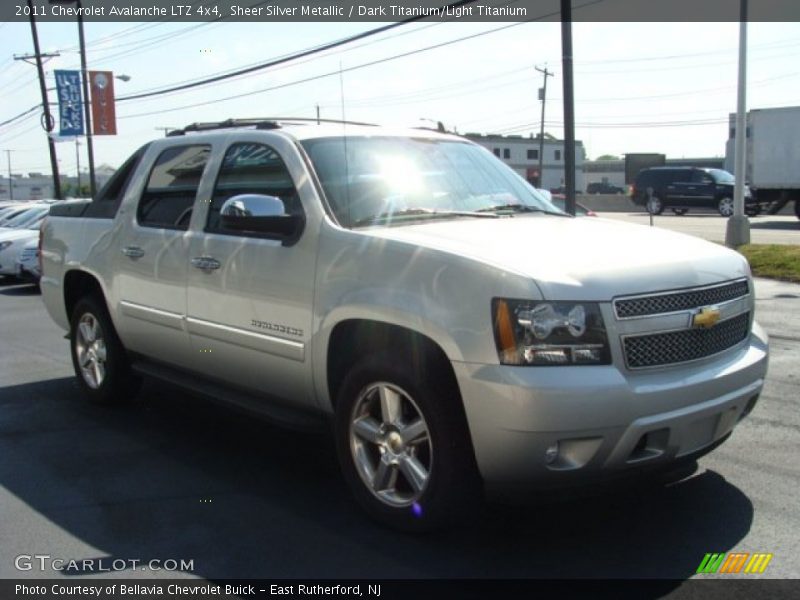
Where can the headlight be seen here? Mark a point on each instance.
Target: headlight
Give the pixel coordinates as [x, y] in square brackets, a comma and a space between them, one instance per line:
[4, 245]
[549, 333]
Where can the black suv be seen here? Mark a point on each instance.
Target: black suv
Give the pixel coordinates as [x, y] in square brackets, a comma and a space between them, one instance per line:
[603, 187]
[684, 188]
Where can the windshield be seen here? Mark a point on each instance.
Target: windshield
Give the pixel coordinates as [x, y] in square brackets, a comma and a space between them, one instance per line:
[392, 180]
[721, 176]
[26, 218]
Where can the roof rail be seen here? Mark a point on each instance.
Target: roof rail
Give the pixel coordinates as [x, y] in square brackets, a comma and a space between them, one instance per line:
[266, 123]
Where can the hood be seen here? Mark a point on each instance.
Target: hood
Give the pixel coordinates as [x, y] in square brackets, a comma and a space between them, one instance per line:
[579, 258]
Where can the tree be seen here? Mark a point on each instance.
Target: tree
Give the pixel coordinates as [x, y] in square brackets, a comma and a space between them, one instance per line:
[607, 157]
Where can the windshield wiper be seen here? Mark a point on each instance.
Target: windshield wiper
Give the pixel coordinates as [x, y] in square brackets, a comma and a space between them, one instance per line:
[517, 207]
[422, 212]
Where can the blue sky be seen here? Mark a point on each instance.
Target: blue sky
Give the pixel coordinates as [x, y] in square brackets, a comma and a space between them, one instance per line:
[640, 87]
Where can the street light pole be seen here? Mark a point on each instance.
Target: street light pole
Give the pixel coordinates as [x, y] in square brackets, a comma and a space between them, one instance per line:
[737, 232]
[86, 106]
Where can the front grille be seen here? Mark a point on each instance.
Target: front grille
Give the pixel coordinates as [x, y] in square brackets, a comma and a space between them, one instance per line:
[657, 349]
[677, 301]
[27, 254]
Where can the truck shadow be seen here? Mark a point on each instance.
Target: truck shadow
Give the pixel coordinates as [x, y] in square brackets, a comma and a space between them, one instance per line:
[173, 477]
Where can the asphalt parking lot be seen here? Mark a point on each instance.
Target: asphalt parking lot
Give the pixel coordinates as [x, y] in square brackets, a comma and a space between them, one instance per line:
[173, 477]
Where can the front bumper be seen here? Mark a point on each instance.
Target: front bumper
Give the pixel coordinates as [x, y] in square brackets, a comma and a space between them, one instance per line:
[561, 426]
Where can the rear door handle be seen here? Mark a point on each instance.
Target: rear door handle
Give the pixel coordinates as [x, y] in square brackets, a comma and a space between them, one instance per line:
[206, 263]
[133, 252]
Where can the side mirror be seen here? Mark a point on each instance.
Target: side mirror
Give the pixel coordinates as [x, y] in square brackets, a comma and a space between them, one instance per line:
[261, 216]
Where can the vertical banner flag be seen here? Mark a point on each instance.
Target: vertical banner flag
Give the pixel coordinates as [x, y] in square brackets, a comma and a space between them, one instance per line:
[104, 117]
[70, 102]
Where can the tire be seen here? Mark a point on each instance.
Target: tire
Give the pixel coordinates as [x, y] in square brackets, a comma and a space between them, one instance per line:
[417, 484]
[680, 211]
[725, 206]
[752, 210]
[101, 364]
[654, 205]
[797, 208]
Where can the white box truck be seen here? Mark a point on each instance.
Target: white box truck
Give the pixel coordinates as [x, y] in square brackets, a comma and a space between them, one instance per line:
[773, 155]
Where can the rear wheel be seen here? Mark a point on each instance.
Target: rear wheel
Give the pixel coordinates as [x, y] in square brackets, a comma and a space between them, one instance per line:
[797, 208]
[725, 207]
[655, 206]
[680, 211]
[403, 445]
[98, 357]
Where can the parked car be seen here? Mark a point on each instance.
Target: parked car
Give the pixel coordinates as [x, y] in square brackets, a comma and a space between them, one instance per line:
[27, 263]
[12, 241]
[580, 210]
[460, 335]
[684, 188]
[11, 212]
[562, 190]
[30, 214]
[603, 187]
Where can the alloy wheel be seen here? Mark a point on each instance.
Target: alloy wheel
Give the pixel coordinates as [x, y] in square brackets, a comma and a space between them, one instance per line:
[90, 348]
[391, 444]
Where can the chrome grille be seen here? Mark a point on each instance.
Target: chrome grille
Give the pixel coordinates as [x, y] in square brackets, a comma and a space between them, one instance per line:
[682, 300]
[672, 347]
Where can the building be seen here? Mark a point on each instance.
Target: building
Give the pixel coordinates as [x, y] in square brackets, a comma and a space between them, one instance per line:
[522, 154]
[38, 186]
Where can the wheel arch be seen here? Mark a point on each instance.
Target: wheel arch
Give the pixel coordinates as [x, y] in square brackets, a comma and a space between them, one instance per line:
[78, 284]
[352, 339]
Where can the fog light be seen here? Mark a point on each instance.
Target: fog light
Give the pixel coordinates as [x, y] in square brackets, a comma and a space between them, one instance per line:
[551, 453]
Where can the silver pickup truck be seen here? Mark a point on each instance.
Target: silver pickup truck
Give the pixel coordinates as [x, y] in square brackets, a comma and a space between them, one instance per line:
[460, 332]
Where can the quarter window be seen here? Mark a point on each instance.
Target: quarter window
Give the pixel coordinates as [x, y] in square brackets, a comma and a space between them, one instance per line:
[506, 153]
[252, 168]
[171, 189]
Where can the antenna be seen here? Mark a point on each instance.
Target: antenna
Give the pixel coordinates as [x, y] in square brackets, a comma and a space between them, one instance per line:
[344, 139]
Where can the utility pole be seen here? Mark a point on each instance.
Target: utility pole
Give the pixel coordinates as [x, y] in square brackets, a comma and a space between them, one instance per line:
[48, 119]
[569, 105]
[737, 231]
[543, 98]
[317, 114]
[10, 185]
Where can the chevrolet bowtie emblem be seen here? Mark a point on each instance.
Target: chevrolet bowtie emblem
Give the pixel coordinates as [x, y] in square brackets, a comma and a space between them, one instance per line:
[706, 317]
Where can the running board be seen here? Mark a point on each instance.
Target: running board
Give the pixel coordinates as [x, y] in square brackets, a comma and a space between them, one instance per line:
[273, 411]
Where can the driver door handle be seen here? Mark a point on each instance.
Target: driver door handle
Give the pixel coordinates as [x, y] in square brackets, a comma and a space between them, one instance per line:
[133, 252]
[206, 263]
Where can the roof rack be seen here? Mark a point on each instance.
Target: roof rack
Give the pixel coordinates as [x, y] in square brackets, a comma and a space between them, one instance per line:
[266, 123]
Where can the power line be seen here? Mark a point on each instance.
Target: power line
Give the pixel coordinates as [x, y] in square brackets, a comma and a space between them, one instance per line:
[272, 63]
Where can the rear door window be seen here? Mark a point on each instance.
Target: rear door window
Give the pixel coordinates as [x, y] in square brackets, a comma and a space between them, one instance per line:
[171, 189]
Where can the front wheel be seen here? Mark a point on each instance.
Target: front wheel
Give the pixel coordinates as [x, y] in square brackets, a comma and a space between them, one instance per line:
[403, 445]
[98, 357]
[725, 207]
